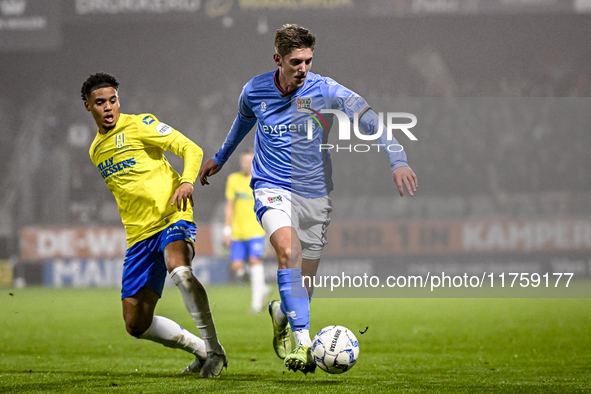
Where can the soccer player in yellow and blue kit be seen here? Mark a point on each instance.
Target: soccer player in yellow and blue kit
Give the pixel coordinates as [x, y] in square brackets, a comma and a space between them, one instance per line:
[242, 232]
[155, 204]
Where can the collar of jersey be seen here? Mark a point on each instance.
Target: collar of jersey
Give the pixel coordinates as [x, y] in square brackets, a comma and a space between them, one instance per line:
[278, 85]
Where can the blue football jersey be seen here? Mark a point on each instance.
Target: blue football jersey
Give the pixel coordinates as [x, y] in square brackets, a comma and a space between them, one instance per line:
[291, 129]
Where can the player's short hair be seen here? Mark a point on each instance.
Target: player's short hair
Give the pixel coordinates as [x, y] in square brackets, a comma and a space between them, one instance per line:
[97, 81]
[291, 37]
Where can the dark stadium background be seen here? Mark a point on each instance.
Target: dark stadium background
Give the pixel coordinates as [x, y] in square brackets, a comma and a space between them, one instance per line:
[188, 69]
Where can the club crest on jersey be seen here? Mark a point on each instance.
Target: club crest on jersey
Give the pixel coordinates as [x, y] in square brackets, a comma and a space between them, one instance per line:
[274, 199]
[263, 106]
[119, 140]
[304, 103]
[149, 120]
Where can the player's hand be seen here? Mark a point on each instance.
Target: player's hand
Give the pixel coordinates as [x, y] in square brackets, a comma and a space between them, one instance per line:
[405, 176]
[208, 169]
[181, 195]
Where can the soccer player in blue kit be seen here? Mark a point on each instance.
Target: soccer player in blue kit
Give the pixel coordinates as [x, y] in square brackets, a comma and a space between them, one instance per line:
[291, 175]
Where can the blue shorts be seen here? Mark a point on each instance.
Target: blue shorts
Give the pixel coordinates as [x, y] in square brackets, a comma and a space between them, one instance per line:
[144, 261]
[243, 250]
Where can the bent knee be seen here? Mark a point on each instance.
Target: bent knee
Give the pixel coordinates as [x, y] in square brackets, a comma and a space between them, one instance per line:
[137, 327]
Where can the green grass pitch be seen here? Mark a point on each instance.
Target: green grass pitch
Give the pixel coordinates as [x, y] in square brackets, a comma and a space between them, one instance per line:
[74, 341]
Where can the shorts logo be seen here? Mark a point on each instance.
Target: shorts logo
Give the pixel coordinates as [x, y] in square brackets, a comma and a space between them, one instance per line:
[274, 199]
[119, 140]
[163, 129]
[263, 106]
[149, 120]
[176, 231]
[304, 102]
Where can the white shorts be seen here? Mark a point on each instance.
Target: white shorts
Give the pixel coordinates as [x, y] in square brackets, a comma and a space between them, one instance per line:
[308, 216]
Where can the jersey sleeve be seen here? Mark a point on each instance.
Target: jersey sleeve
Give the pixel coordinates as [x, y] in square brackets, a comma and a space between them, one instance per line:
[191, 154]
[244, 122]
[243, 104]
[355, 106]
[369, 123]
[156, 133]
[344, 99]
[230, 188]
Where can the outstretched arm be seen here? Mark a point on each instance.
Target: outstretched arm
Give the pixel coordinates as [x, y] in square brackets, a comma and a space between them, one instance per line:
[369, 123]
[402, 174]
[240, 128]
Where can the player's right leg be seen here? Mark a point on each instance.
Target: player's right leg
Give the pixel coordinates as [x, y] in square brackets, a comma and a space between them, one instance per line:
[294, 297]
[312, 219]
[273, 209]
[281, 324]
[143, 280]
[140, 322]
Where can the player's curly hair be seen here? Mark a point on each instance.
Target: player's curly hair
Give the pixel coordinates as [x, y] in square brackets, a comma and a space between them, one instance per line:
[291, 37]
[97, 81]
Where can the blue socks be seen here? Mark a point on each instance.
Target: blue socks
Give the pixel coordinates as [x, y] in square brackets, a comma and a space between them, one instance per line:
[294, 298]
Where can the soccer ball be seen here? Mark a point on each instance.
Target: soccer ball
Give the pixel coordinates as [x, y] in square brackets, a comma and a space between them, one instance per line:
[335, 349]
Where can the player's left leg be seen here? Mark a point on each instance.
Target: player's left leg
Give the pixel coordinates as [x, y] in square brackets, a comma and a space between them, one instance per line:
[316, 219]
[309, 269]
[178, 253]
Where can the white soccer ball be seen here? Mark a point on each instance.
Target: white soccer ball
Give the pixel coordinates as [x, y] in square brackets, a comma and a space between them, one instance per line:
[335, 349]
